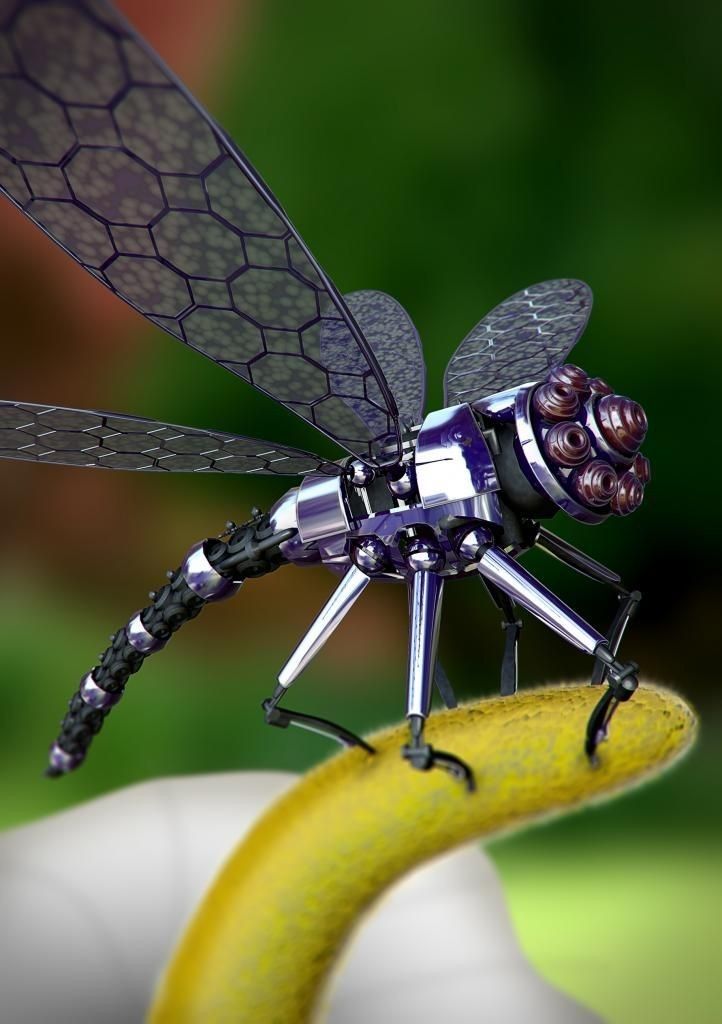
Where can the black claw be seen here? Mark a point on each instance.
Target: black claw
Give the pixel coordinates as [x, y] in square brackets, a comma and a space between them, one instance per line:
[598, 724]
[423, 757]
[283, 717]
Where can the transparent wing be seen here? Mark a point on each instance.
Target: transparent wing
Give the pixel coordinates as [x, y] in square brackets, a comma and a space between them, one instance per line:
[390, 332]
[87, 437]
[112, 157]
[519, 340]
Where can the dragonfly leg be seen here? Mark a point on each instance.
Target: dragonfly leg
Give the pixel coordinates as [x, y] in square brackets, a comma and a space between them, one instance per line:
[283, 717]
[425, 617]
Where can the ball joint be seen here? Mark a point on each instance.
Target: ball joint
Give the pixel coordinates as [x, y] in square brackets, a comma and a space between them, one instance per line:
[370, 555]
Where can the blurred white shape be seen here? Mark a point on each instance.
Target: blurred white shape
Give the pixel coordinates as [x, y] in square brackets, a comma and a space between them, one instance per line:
[92, 901]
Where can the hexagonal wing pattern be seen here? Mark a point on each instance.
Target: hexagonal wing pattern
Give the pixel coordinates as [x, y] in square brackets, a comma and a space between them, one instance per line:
[390, 332]
[107, 440]
[110, 155]
[520, 340]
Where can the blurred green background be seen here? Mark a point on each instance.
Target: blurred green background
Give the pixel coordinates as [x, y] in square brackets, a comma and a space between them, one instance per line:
[449, 154]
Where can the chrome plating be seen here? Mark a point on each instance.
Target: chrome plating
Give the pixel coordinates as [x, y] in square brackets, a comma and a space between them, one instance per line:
[500, 406]
[471, 545]
[139, 637]
[527, 591]
[422, 555]
[283, 517]
[320, 508]
[370, 555]
[453, 461]
[427, 591]
[404, 483]
[203, 579]
[95, 696]
[359, 473]
[344, 596]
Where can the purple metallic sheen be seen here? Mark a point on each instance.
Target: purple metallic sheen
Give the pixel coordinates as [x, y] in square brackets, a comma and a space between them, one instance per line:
[139, 637]
[470, 545]
[527, 591]
[500, 407]
[320, 508]
[423, 555]
[283, 517]
[535, 468]
[61, 760]
[360, 474]
[401, 481]
[95, 696]
[452, 459]
[370, 555]
[203, 579]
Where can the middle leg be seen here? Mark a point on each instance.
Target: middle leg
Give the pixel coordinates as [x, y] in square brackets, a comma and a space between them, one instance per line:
[426, 592]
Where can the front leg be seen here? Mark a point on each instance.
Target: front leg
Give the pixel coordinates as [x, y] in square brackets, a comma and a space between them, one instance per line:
[565, 552]
[497, 567]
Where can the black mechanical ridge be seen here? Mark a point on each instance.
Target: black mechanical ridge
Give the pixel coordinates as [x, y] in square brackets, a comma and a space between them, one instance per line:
[212, 570]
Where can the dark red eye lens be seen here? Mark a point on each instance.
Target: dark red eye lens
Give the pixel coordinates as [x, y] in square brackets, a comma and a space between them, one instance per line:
[567, 444]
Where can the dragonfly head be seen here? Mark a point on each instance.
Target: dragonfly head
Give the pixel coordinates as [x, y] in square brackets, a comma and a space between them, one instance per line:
[577, 444]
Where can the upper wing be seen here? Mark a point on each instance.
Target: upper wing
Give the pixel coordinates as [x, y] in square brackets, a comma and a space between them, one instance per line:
[519, 340]
[112, 157]
[390, 332]
[86, 437]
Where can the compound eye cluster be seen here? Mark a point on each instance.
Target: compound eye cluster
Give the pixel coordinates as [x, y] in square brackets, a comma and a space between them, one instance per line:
[591, 439]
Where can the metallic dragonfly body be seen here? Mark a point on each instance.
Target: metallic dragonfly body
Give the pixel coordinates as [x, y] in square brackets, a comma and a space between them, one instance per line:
[109, 154]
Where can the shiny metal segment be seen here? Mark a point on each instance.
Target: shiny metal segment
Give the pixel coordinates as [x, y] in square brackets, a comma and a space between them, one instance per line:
[422, 555]
[563, 551]
[360, 474]
[139, 637]
[370, 555]
[533, 461]
[344, 596]
[203, 579]
[470, 545]
[61, 760]
[527, 591]
[427, 591]
[95, 696]
[453, 461]
[501, 405]
[404, 483]
[283, 517]
[320, 508]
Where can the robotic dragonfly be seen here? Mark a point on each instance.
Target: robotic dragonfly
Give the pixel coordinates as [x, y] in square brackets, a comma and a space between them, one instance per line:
[110, 156]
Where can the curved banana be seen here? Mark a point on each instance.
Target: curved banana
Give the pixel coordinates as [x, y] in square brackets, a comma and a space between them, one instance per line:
[266, 936]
